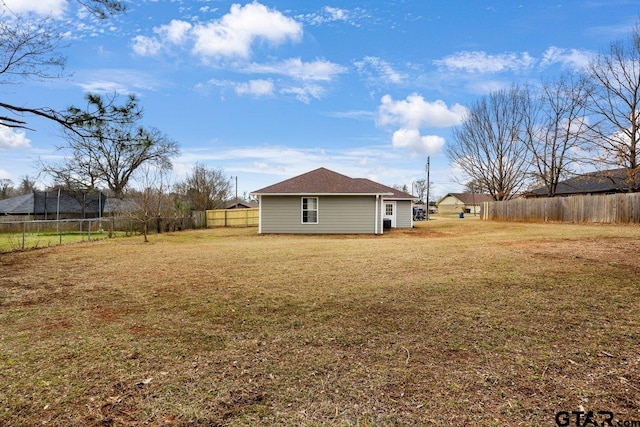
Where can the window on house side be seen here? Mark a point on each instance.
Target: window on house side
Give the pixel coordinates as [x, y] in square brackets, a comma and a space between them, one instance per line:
[309, 210]
[388, 209]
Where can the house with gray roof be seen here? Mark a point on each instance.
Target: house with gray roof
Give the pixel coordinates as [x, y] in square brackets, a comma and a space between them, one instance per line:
[609, 181]
[53, 205]
[326, 202]
[469, 203]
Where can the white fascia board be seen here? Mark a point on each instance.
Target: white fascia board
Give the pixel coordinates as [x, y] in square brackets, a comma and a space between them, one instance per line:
[321, 194]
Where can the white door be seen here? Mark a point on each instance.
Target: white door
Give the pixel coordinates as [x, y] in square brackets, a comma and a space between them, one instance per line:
[390, 212]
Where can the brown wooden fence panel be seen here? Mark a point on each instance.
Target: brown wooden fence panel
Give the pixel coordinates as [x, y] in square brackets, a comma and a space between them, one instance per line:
[233, 217]
[610, 208]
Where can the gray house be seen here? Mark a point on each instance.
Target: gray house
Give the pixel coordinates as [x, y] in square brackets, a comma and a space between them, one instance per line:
[53, 204]
[609, 181]
[323, 202]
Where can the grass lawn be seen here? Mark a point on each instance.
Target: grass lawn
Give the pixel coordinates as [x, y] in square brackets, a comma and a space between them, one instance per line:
[456, 322]
[17, 241]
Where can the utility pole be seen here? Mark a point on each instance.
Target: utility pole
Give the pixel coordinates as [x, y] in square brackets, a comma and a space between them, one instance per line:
[428, 184]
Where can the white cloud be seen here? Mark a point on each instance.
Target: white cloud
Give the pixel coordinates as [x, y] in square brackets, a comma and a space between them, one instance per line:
[176, 32]
[306, 92]
[412, 140]
[415, 112]
[146, 46]
[319, 70]
[111, 80]
[103, 86]
[256, 88]
[234, 34]
[13, 139]
[378, 69]
[54, 8]
[574, 59]
[328, 14]
[336, 14]
[482, 62]
[231, 36]
[364, 115]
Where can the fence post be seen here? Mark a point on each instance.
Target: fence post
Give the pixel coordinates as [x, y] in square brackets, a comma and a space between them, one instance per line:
[24, 231]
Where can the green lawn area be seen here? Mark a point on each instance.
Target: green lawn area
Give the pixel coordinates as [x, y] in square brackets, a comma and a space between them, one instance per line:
[455, 322]
[18, 241]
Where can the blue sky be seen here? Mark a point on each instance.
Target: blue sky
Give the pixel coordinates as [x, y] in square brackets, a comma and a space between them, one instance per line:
[270, 89]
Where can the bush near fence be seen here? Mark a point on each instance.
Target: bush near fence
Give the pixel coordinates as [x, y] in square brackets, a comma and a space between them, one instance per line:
[233, 217]
[621, 208]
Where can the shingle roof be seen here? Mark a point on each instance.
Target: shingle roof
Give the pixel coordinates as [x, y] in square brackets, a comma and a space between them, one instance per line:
[17, 205]
[471, 198]
[607, 181]
[240, 204]
[325, 181]
[41, 202]
[397, 194]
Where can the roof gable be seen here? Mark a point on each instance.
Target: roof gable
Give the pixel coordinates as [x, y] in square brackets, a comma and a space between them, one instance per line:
[470, 198]
[324, 181]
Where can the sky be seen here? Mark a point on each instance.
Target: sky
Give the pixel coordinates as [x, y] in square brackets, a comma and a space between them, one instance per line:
[269, 89]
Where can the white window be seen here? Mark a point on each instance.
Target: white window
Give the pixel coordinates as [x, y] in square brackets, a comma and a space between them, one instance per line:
[388, 209]
[309, 210]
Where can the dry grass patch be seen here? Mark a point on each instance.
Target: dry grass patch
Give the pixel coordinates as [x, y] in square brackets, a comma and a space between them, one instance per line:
[452, 323]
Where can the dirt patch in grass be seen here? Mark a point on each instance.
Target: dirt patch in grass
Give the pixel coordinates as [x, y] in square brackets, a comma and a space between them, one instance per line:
[451, 323]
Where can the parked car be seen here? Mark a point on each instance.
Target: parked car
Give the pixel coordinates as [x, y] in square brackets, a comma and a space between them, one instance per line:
[419, 214]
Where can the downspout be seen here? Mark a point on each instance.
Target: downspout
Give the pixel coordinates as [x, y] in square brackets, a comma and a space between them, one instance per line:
[259, 214]
[375, 227]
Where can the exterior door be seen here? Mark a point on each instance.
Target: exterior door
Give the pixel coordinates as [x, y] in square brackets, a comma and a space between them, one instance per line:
[390, 212]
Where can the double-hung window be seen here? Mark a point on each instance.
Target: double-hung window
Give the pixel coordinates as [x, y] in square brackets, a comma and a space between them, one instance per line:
[309, 210]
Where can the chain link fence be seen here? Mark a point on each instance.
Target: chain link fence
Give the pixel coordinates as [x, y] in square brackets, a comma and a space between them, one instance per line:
[23, 235]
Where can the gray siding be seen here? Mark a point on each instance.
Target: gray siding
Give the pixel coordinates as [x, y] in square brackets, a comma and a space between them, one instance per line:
[336, 214]
[404, 214]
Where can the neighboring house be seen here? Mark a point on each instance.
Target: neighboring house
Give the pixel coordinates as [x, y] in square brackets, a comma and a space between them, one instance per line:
[53, 205]
[600, 182]
[241, 204]
[469, 203]
[323, 201]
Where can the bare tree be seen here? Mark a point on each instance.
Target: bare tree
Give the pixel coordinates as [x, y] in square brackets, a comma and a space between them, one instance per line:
[616, 102]
[420, 189]
[108, 152]
[204, 189]
[475, 187]
[31, 49]
[152, 201]
[27, 185]
[558, 130]
[103, 8]
[489, 145]
[6, 188]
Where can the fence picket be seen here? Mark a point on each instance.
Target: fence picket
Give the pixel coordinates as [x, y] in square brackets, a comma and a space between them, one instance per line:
[233, 217]
[610, 208]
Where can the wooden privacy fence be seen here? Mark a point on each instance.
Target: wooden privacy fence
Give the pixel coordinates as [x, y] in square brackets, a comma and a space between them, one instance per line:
[233, 217]
[610, 208]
